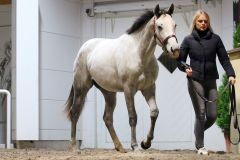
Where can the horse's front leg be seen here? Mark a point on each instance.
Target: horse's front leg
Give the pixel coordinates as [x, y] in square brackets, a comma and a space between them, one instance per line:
[129, 97]
[149, 95]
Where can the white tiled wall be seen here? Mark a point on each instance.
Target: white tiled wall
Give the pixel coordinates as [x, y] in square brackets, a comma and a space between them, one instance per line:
[87, 23]
[59, 43]
[227, 24]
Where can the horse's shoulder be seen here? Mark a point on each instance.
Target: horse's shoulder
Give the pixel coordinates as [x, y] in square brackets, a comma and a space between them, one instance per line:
[153, 64]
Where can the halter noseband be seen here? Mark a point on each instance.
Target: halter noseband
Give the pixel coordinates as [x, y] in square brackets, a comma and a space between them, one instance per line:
[165, 41]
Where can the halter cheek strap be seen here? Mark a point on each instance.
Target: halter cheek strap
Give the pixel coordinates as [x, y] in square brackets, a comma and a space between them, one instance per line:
[164, 41]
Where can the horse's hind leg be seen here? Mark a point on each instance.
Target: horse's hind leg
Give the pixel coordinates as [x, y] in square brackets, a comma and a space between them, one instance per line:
[80, 92]
[149, 95]
[110, 103]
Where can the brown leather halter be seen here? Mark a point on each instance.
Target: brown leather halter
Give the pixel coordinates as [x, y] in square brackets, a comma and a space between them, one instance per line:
[164, 41]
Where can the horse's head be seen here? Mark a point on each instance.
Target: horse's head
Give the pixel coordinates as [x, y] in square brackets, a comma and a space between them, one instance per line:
[165, 31]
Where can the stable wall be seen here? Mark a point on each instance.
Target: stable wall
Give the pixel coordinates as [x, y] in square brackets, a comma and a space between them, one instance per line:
[25, 73]
[46, 37]
[60, 40]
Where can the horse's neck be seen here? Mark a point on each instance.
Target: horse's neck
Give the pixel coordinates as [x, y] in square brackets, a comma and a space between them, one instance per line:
[146, 43]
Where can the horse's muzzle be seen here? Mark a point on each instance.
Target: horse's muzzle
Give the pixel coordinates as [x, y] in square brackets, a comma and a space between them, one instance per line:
[175, 53]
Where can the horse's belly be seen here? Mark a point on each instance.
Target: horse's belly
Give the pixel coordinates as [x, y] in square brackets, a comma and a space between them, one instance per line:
[111, 85]
[107, 79]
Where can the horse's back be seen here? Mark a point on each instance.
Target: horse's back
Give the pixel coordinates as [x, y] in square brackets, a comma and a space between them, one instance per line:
[85, 50]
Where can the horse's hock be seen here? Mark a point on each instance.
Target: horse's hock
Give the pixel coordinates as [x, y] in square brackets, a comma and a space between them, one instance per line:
[235, 60]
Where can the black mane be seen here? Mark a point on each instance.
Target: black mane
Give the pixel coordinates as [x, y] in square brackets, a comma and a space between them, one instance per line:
[142, 20]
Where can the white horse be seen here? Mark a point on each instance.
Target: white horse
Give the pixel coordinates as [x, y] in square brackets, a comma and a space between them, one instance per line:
[126, 64]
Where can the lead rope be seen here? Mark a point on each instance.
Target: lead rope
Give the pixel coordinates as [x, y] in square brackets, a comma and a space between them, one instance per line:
[233, 112]
[233, 108]
[204, 98]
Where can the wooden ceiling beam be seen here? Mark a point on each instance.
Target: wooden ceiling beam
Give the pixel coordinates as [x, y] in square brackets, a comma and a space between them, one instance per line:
[4, 2]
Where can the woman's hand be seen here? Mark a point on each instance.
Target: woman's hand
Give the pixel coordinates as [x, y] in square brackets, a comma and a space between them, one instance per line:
[189, 72]
[231, 80]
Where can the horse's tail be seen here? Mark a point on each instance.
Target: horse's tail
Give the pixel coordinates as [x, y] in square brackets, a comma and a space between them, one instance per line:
[69, 104]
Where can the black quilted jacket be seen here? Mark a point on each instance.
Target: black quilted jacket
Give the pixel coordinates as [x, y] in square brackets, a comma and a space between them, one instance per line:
[203, 48]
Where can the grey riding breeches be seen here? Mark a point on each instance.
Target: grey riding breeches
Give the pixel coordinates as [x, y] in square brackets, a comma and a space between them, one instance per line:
[205, 112]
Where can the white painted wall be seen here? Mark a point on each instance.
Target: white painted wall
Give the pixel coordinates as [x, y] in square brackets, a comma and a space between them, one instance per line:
[59, 43]
[27, 70]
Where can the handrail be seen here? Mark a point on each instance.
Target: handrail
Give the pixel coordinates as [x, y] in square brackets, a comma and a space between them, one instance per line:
[8, 136]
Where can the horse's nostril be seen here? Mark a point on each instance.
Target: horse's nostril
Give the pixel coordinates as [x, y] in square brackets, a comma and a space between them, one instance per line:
[171, 49]
[176, 52]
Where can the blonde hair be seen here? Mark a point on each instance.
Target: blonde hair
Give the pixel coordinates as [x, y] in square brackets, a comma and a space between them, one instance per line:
[196, 16]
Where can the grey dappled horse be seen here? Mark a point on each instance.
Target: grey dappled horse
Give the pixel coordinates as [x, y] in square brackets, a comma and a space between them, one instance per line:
[125, 64]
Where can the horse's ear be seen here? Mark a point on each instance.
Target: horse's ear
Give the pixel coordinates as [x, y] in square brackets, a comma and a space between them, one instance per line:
[156, 10]
[170, 9]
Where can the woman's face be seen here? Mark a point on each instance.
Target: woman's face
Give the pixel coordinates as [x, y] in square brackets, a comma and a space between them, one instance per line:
[202, 23]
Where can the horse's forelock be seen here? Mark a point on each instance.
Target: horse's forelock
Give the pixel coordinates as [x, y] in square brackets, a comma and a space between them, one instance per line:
[161, 12]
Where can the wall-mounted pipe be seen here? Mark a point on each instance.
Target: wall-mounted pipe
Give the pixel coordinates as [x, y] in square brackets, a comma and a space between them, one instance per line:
[116, 7]
[8, 137]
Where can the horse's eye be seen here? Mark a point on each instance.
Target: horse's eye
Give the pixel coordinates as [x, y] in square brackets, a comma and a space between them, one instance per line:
[160, 28]
[175, 26]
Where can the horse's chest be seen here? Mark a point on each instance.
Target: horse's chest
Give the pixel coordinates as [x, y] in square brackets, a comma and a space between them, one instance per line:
[147, 78]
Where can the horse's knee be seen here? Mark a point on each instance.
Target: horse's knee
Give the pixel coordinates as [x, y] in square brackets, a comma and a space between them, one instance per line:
[154, 113]
[133, 120]
[74, 114]
[108, 121]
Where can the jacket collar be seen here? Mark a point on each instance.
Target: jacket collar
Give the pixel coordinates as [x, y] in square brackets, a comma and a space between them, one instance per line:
[205, 36]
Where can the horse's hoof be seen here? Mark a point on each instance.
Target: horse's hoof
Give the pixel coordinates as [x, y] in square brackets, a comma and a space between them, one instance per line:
[135, 147]
[121, 150]
[137, 150]
[74, 149]
[71, 148]
[145, 145]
